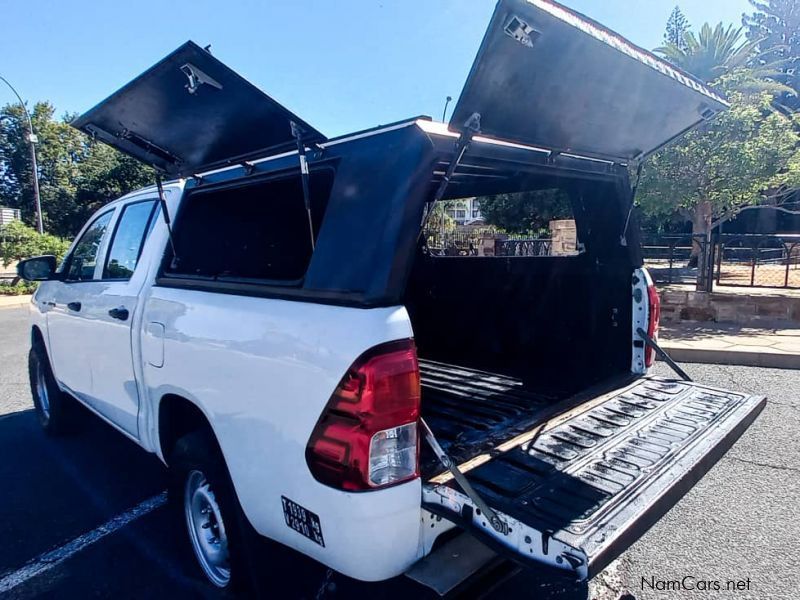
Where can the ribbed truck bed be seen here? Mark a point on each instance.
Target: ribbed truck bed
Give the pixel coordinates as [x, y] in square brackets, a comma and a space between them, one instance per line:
[579, 488]
[472, 410]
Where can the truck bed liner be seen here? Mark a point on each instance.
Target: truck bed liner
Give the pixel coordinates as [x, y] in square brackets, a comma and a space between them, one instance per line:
[470, 410]
[600, 475]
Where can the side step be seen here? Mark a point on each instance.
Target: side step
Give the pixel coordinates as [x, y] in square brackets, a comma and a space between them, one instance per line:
[452, 564]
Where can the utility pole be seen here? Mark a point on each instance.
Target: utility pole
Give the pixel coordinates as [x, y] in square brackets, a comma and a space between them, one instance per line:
[32, 140]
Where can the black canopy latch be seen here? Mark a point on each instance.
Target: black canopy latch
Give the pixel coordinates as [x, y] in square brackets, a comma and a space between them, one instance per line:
[298, 132]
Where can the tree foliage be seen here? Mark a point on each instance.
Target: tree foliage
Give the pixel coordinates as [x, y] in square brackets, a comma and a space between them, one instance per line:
[18, 241]
[713, 52]
[76, 176]
[677, 26]
[775, 26]
[525, 212]
[747, 153]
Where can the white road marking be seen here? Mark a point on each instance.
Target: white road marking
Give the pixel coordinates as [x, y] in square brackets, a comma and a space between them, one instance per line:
[48, 560]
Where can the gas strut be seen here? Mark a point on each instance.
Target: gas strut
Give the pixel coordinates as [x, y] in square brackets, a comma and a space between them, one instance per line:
[165, 215]
[472, 127]
[494, 519]
[297, 132]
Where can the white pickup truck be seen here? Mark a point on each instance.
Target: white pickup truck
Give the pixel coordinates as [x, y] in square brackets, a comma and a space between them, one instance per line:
[279, 324]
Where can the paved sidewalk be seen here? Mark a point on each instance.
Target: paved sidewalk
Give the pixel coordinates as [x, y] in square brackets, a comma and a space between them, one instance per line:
[14, 301]
[774, 345]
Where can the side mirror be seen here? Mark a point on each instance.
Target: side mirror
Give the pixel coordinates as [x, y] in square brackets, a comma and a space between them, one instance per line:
[38, 268]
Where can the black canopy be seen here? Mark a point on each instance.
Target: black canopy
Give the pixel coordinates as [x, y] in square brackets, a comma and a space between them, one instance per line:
[190, 113]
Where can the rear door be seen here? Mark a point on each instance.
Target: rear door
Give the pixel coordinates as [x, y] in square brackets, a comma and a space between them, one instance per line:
[190, 113]
[111, 315]
[547, 76]
[579, 491]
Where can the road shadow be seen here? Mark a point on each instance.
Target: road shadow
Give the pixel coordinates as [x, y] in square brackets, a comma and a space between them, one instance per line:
[55, 489]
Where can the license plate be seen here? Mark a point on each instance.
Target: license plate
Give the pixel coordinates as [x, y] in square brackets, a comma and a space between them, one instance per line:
[302, 520]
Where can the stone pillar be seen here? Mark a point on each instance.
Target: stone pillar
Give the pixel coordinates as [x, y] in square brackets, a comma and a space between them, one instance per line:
[564, 237]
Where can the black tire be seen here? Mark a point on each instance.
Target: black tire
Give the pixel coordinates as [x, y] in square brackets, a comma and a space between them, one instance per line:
[56, 410]
[199, 452]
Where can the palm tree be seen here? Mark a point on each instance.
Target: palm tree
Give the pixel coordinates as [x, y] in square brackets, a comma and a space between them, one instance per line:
[710, 56]
[721, 51]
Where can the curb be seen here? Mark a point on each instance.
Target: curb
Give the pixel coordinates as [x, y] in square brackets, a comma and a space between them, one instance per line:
[771, 360]
[15, 301]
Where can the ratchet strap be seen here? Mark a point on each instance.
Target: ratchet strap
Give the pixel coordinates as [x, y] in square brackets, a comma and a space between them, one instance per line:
[494, 519]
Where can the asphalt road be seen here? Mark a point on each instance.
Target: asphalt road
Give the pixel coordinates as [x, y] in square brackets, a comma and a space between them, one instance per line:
[739, 522]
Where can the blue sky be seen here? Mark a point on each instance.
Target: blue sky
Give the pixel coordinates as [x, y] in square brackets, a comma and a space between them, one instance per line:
[342, 65]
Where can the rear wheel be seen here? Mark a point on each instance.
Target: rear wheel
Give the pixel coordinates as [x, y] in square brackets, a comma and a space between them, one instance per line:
[206, 528]
[223, 543]
[55, 409]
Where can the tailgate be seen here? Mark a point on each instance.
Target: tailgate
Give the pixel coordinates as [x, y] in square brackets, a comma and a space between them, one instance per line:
[592, 481]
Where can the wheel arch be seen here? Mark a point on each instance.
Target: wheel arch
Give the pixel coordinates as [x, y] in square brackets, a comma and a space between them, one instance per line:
[179, 416]
[37, 337]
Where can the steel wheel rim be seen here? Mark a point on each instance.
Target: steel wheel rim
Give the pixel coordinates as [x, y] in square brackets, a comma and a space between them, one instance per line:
[41, 391]
[206, 529]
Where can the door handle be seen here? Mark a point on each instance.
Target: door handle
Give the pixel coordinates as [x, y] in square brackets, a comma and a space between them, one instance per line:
[120, 313]
[75, 306]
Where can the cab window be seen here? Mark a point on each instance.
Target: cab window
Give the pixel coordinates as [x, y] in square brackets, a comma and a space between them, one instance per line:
[83, 260]
[126, 246]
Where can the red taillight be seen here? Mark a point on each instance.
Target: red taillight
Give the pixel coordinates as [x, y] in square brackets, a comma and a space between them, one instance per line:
[367, 436]
[654, 316]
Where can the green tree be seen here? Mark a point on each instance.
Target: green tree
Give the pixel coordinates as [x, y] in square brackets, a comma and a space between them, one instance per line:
[712, 53]
[18, 241]
[746, 156]
[76, 176]
[775, 25]
[525, 212]
[677, 26]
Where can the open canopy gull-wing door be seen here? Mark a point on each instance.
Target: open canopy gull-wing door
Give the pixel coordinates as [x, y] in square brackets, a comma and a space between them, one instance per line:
[190, 113]
[547, 76]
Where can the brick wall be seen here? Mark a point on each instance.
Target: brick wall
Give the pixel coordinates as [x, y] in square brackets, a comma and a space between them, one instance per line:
[683, 305]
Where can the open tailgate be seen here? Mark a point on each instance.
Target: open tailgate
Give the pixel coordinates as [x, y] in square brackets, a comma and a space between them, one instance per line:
[583, 488]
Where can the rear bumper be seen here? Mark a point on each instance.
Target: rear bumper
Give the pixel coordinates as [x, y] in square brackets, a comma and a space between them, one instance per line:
[580, 493]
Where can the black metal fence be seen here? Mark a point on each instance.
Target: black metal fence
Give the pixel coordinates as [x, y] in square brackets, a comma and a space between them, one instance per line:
[756, 260]
[482, 243]
[676, 258]
[750, 260]
[524, 247]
